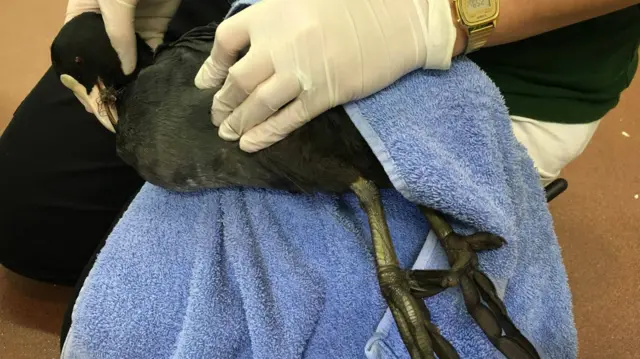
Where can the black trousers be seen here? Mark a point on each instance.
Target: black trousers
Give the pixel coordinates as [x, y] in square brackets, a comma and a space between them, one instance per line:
[62, 186]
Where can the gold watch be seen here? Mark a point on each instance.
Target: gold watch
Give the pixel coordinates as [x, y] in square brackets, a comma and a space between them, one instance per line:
[479, 19]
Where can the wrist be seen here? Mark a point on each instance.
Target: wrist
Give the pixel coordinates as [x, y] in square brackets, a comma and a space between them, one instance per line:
[439, 33]
[461, 34]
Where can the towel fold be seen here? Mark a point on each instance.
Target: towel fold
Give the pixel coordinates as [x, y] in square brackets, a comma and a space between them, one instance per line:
[248, 273]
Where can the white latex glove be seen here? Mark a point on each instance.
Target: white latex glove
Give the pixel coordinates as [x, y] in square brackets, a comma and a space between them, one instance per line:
[123, 18]
[312, 55]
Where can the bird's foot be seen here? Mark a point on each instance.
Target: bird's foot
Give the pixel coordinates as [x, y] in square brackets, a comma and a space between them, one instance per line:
[480, 295]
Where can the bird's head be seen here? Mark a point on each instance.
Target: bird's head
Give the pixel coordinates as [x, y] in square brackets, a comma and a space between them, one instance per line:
[87, 63]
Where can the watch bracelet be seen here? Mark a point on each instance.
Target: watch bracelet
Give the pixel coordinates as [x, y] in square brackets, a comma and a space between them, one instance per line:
[478, 36]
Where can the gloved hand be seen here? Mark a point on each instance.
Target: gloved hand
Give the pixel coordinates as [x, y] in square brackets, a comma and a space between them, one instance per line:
[312, 55]
[123, 18]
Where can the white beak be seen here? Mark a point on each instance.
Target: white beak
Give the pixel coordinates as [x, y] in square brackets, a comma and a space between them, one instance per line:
[92, 102]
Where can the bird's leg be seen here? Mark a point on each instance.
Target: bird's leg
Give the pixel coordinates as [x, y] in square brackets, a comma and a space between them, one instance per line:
[480, 296]
[420, 336]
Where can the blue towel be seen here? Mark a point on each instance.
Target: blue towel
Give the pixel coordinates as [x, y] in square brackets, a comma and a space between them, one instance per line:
[249, 273]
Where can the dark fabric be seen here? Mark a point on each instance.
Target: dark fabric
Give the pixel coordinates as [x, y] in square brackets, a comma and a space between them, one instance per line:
[571, 75]
[194, 13]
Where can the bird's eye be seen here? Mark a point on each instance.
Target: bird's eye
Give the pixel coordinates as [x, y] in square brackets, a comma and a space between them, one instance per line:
[78, 60]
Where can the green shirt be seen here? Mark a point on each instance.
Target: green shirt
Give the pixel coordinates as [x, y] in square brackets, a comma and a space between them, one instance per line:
[570, 75]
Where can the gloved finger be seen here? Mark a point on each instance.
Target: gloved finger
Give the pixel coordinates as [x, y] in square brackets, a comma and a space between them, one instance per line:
[277, 127]
[267, 99]
[232, 36]
[77, 7]
[153, 18]
[119, 21]
[252, 70]
[152, 30]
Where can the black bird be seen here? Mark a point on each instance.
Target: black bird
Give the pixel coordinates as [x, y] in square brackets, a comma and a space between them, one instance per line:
[162, 126]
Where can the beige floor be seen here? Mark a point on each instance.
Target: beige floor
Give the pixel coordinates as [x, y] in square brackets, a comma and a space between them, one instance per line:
[597, 220]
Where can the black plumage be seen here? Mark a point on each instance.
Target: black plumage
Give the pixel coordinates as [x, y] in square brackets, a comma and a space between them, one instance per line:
[163, 130]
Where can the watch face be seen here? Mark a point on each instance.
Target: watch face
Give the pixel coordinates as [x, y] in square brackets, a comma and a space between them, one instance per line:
[476, 11]
[479, 4]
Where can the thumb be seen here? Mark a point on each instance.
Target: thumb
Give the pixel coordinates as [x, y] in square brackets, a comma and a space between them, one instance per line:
[119, 22]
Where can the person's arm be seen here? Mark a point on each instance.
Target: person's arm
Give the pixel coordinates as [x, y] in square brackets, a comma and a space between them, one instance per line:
[307, 56]
[521, 19]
